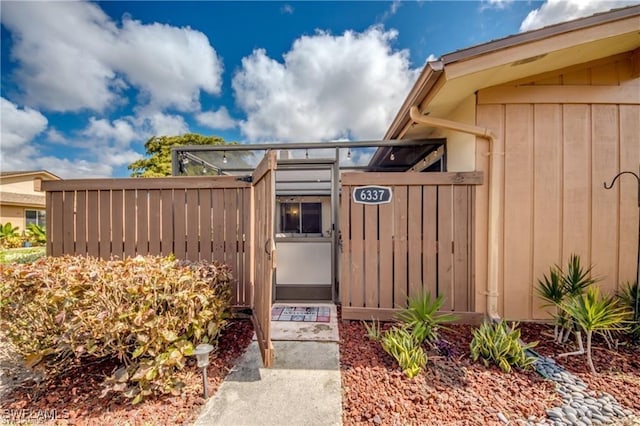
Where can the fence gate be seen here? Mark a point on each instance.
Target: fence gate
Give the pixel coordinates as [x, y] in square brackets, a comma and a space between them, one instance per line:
[263, 212]
[417, 236]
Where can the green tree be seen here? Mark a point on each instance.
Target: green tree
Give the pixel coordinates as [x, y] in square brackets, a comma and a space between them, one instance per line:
[157, 161]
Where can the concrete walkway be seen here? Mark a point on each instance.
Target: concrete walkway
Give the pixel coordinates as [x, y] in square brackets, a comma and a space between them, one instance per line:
[303, 387]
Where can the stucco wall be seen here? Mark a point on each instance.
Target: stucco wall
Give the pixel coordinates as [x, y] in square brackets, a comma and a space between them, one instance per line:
[12, 214]
[460, 146]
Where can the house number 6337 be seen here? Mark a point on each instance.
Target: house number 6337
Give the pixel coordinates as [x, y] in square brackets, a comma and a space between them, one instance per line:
[372, 194]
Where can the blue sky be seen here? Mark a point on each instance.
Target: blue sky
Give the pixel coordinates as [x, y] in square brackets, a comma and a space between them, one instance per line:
[84, 85]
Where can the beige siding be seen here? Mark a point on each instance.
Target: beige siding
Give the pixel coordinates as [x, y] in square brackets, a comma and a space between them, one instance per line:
[12, 214]
[556, 157]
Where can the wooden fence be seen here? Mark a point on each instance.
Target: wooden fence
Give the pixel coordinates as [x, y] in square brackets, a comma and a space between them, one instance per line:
[195, 218]
[421, 240]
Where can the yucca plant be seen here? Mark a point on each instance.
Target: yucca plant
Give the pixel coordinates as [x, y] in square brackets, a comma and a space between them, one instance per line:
[402, 345]
[558, 287]
[422, 318]
[500, 344]
[551, 290]
[593, 313]
[630, 298]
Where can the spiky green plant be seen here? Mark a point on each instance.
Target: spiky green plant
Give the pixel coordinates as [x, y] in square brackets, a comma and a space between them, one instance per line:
[373, 331]
[594, 313]
[422, 318]
[628, 297]
[577, 279]
[402, 345]
[500, 344]
[551, 290]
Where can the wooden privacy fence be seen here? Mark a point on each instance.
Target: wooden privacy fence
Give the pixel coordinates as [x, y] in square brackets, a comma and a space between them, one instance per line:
[421, 240]
[195, 218]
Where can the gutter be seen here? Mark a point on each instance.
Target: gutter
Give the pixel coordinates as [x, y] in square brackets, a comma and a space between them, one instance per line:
[494, 197]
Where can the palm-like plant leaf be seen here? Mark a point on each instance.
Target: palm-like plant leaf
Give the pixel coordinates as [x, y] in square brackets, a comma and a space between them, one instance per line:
[595, 313]
[551, 288]
[577, 279]
[422, 318]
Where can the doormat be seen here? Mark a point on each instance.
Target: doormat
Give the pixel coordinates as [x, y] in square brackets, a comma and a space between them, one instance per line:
[301, 313]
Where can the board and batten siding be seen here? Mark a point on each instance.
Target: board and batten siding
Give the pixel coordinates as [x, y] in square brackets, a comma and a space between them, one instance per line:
[556, 152]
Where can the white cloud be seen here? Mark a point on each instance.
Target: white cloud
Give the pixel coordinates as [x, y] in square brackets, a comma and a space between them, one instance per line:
[328, 87]
[286, 9]
[72, 56]
[19, 126]
[219, 119]
[160, 124]
[119, 131]
[555, 11]
[495, 4]
[393, 9]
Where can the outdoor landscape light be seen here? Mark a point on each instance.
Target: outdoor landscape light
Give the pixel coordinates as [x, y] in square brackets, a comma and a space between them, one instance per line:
[202, 352]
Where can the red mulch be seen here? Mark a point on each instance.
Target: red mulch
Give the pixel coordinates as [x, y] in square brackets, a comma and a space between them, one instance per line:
[618, 371]
[448, 391]
[75, 397]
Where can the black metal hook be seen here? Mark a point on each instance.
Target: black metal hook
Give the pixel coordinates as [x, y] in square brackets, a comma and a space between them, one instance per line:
[620, 174]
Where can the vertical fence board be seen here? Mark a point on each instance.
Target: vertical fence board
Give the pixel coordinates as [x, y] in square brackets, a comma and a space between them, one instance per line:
[414, 218]
[179, 224]
[130, 223]
[400, 291]
[105, 223]
[247, 247]
[205, 224]
[68, 225]
[445, 240]
[386, 255]
[81, 222]
[371, 256]
[93, 230]
[57, 231]
[154, 222]
[429, 240]
[231, 234]
[357, 261]
[142, 222]
[193, 221]
[218, 224]
[166, 242]
[117, 225]
[345, 246]
[461, 248]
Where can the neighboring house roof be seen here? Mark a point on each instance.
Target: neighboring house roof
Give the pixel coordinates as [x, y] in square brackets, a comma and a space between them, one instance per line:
[48, 174]
[12, 198]
[444, 83]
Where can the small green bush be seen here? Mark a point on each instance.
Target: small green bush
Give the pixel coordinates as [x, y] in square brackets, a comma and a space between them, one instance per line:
[422, 318]
[147, 312]
[500, 344]
[401, 344]
[36, 234]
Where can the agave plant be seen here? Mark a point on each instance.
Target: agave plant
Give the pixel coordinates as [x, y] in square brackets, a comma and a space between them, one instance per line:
[500, 344]
[402, 345]
[422, 318]
[593, 313]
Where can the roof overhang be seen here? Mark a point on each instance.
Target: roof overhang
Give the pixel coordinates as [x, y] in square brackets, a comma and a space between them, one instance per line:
[445, 83]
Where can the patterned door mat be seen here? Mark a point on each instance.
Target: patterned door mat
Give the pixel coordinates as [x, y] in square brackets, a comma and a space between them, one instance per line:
[301, 313]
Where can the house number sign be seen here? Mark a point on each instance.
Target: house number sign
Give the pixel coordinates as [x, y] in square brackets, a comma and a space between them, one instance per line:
[372, 194]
